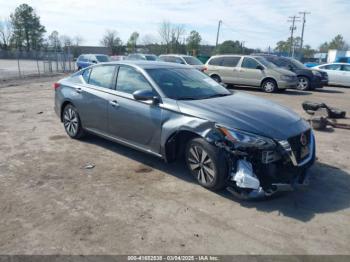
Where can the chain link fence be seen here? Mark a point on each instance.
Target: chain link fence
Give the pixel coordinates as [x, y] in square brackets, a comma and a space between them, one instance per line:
[18, 64]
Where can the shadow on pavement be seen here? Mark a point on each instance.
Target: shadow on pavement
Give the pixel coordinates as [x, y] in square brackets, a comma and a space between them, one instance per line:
[286, 92]
[329, 189]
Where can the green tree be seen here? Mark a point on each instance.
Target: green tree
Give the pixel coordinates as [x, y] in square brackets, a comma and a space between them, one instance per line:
[337, 42]
[229, 47]
[112, 41]
[285, 46]
[131, 45]
[193, 42]
[27, 29]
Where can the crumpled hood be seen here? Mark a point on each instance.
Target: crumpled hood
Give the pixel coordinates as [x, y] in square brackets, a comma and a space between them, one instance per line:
[248, 113]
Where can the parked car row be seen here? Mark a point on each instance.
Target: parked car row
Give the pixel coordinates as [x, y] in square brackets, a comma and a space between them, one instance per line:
[271, 73]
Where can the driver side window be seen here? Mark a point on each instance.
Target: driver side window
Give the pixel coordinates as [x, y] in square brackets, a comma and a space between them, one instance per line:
[129, 80]
[249, 63]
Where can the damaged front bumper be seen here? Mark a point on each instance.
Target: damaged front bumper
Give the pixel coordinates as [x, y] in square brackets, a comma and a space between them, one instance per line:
[288, 171]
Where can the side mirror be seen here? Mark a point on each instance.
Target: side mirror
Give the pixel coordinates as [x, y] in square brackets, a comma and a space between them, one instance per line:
[94, 61]
[259, 67]
[145, 95]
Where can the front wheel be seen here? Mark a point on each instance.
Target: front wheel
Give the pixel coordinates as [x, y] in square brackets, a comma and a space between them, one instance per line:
[269, 86]
[207, 164]
[304, 83]
[71, 122]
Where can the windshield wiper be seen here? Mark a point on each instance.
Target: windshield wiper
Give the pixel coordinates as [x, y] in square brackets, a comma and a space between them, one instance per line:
[216, 95]
[187, 98]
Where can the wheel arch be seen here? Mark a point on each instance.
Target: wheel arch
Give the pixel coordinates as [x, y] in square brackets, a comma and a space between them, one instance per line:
[269, 78]
[64, 104]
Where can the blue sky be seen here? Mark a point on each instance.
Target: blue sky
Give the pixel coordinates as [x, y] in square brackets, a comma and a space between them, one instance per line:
[260, 23]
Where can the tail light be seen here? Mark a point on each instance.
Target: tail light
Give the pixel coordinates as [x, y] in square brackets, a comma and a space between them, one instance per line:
[204, 69]
[56, 86]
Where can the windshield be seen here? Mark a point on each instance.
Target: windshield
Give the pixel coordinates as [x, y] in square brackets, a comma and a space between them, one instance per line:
[297, 64]
[151, 57]
[102, 58]
[263, 61]
[186, 84]
[192, 60]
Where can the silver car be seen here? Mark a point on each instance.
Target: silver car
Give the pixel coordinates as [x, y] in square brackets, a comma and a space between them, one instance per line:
[338, 73]
[250, 71]
[172, 111]
[183, 59]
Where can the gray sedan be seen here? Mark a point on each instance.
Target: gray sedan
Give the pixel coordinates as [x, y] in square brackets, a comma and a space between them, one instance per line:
[250, 145]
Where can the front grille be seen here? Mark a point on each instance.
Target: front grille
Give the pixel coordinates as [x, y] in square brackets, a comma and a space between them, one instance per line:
[297, 147]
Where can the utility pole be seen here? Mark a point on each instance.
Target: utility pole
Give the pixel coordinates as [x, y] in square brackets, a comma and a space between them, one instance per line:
[292, 19]
[242, 45]
[217, 34]
[304, 13]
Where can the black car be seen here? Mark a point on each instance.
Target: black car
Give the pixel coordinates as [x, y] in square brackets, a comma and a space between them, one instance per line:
[308, 79]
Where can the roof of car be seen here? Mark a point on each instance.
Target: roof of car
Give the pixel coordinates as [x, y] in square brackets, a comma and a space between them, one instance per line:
[148, 64]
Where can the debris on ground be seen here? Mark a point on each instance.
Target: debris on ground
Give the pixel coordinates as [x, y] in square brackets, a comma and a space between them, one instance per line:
[89, 166]
[40, 112]
[323, 115]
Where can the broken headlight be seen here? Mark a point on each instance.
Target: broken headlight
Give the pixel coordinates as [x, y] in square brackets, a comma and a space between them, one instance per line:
[243, 139]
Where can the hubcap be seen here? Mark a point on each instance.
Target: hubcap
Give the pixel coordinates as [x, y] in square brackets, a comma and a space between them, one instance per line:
[303, 83]
[269, 86]
[70, 121]
[201, 164]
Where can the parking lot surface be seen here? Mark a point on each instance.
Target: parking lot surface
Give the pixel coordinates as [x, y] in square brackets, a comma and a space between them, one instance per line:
[127, 202]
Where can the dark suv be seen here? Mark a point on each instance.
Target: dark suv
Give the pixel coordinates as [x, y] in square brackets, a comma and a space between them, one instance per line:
[308, 79]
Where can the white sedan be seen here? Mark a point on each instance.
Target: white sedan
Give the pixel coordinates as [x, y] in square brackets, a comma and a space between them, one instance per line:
[338, 73]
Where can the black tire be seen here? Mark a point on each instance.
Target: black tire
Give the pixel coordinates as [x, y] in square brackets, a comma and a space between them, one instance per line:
[79, 68]
[303, 83]
[207, 164]
[269, 86]
[71, 122]
[216, 78]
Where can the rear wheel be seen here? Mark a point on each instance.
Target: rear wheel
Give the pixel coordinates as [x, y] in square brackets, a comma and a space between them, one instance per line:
[269, 86]
[304, 83]
[216, 78]
[207, 164]
[71, 122]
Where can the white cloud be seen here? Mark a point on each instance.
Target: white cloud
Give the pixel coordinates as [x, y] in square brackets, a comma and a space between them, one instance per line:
[260, 23]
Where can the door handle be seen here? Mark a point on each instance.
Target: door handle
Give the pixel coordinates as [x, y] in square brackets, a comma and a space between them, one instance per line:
[78, 90]
[114, 103]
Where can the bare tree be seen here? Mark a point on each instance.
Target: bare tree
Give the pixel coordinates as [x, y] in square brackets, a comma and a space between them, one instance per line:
[170, 35]
[165, 34]
[112, 40]
[148, 39]
[6, 32]
[77, 40]
[66, 40]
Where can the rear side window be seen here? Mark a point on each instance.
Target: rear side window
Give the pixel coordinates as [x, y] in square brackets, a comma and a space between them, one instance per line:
[217, 61]
[102, 76]
[331, 67]
[230, 61]
[249, 63]
[129, 80]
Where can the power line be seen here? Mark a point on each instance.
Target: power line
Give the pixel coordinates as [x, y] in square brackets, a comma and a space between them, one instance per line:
[304, 13]
[292, 19]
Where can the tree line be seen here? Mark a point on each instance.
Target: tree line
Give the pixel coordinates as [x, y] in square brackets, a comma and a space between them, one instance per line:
[24, 31]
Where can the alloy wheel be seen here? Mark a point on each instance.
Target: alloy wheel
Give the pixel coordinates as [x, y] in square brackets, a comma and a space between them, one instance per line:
[201, 164]
[70, 121]
[269, 86]
[303, 83]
